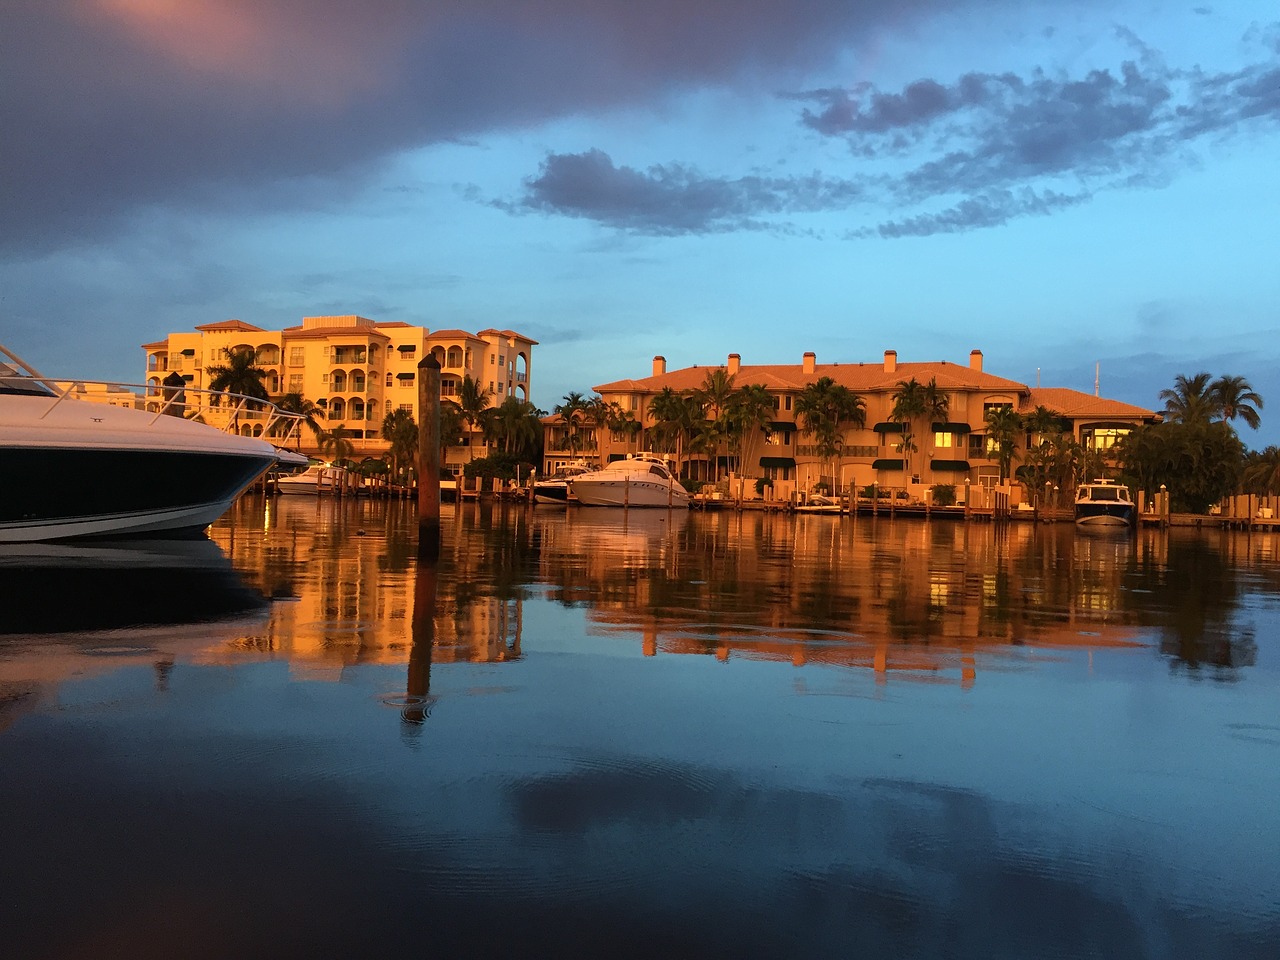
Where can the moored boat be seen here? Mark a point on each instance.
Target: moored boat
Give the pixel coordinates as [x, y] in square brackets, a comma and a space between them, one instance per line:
[1104, 503]
[641, 480]
[74, 468]
[557, 489]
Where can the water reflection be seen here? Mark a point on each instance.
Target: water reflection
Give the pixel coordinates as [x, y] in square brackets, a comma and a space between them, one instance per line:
[937, 601]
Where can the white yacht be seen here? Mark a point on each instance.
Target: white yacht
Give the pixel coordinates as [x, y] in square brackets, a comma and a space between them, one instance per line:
[72, 467]
[642, 480]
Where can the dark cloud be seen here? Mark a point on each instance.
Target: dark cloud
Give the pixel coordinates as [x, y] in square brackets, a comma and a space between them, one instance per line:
[671, 199]
[992, 209]
[110, 106]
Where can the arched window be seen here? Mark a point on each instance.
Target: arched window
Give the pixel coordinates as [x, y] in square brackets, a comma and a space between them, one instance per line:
[454, 357]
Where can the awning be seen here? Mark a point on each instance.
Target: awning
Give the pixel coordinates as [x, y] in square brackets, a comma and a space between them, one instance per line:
[189, 352]
[1109, 425]
[406, 348]
[404, 376]
[888, 426]
[782, 425]
[951, 428]
[960, 465]
[777, 461]
[887, 465]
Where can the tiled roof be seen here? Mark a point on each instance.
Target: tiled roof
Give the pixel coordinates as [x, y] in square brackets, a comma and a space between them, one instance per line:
[509, 333]
[316, 333]
[453, 335]
[1078, 405]
[859, 377]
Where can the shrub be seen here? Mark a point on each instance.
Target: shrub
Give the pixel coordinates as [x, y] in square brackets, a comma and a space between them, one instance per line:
[944, 494]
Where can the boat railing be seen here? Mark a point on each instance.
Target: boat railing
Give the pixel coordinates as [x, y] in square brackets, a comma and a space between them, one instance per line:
[228, 412]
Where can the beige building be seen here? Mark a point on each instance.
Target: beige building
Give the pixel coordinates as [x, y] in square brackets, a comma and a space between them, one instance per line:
[356, 369]
[954, 450]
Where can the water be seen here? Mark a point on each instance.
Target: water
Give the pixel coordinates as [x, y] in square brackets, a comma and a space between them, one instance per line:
[640, 735]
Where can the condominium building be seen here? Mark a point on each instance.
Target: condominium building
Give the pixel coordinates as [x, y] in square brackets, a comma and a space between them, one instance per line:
[950, 449]
[355, 369]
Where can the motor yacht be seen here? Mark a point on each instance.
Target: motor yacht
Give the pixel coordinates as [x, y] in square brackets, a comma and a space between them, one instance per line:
[1104, 503]
[143, 463]
[556, 488]
[641, 480]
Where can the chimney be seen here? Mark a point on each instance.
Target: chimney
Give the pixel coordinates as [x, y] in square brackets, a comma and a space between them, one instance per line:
[659, 366]
[975, 360]
[810, 361]
[891, 361]
[735, 361]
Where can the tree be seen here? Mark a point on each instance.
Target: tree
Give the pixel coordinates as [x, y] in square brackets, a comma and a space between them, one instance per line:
[451, 427]
[821, 407]
[572, 410]
[1199, 462]
[750, 413]
[473, 402]
[401, 431]
[1190, 400]
[1003, 426]
[1262, 472]
[714, 397]
[336, 445]
[306, 412]
[240, 374]
[517, 426]
[908, 404]
[1234, 397]
[675, 416]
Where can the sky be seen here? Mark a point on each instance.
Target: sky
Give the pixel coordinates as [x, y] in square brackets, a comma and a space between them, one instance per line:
[1086, 191]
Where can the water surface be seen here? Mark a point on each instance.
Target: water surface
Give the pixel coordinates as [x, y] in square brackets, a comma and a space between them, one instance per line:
[595, 733]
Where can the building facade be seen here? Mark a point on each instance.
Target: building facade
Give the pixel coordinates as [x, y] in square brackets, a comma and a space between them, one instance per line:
[356, 370]
[951, 448]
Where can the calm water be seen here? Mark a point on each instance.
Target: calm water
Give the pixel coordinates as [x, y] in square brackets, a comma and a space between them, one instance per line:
[590, 734]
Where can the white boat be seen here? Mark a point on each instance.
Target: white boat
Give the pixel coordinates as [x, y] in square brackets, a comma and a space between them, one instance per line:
[642, 480]
[309, 480]
[1104, 503]
[557, 487]
[73, 467]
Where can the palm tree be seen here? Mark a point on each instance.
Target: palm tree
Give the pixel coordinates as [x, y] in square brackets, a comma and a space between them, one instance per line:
[597, 413]
[1234, 397]
[674, 418]
[1003, 426]
[451, 427]
[336, 445]
[240, 374]
[751, 412]
[306, 412]
[1190, 400]
[572, 410]
[400, 430]
[822, 406]
[1262, 472]
[908, 403]
[517, 426]
[714, 396]
[473, 402]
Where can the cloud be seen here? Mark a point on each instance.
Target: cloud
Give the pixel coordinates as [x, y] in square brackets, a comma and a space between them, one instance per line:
[992, 209]
[110, 107]
[671, 199]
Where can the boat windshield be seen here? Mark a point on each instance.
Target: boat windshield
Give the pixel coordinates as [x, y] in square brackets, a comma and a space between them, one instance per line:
[1106, 493]
[14, 382]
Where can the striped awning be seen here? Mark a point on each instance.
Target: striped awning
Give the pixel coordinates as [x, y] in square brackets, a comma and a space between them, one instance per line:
[886, 464]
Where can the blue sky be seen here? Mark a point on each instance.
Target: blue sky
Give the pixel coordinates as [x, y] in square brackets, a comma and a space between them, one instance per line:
[1067, 186]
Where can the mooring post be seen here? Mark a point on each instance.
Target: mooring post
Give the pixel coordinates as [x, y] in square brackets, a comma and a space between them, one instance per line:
[428, 457]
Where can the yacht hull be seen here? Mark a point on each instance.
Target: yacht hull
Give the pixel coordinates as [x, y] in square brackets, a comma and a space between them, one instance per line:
[592, 492]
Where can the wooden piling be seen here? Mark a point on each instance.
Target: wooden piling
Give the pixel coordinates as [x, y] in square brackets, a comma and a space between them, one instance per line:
[428, 458]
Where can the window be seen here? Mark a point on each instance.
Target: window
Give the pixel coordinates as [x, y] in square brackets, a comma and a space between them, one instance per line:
[297, 356]
[295, 383]
[941, 440]
[389, 378]
[778, 438]
[788, 401]
[779, 473]
[1102, 438]
[324, 378]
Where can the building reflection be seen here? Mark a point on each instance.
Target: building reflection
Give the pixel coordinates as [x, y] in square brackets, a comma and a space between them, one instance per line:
[937, 601]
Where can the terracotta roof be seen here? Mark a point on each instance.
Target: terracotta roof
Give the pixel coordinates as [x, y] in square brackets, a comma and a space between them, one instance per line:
[509, 333]
[158, 345]
[392, 323]
[453, 335]
[1078, 405]
[316, 333]
[228, 325]
[859, 377]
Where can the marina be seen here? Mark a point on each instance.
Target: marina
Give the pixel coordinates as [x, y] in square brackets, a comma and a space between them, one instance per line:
[641, 732]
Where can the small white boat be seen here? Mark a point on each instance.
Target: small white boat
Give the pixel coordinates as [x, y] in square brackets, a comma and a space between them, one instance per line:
[557, 487]
[1104, 503]
[306, 481]
[642, 480]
